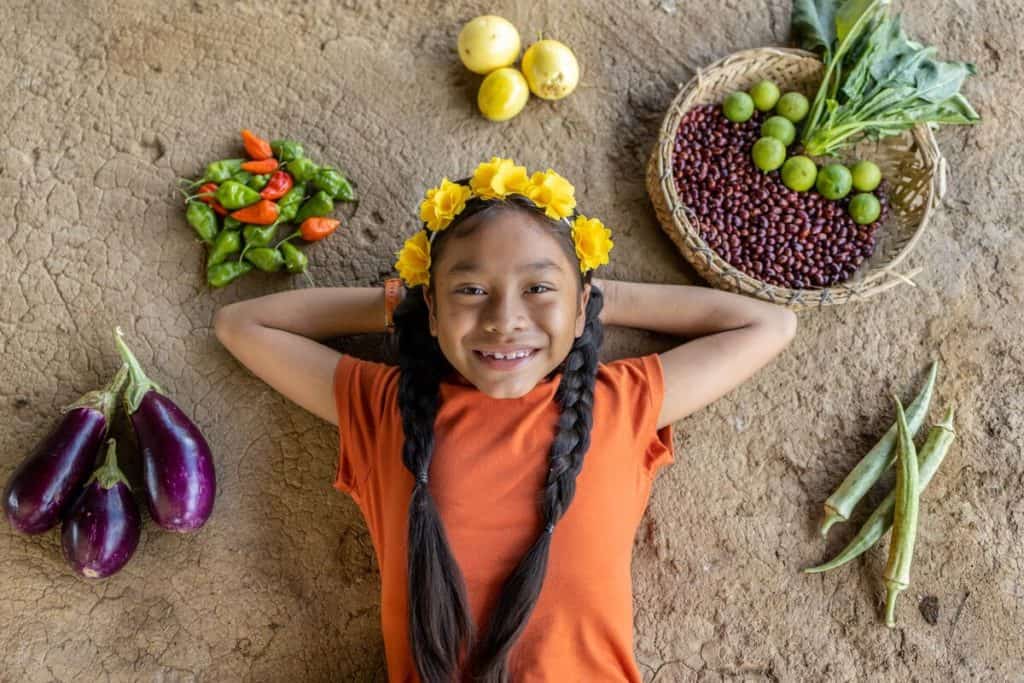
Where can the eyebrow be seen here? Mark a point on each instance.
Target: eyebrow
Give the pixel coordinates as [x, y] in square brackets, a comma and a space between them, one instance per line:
[472, 267]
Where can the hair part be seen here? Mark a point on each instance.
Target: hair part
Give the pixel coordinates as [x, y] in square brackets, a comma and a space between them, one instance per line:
[441, 628]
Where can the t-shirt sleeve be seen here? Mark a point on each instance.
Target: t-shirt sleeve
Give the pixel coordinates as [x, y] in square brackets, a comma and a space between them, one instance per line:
[365, 394]
[642, 381]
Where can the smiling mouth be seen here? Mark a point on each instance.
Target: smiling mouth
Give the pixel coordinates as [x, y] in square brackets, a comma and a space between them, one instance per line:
[505, 360]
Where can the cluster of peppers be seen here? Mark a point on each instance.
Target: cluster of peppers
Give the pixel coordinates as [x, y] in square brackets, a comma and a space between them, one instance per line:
[899, 510]
[241, 202]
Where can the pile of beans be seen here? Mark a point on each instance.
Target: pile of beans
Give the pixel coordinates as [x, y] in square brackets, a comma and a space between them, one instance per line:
[790, 239]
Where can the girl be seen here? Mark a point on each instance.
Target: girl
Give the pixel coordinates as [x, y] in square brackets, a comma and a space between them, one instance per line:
[501, 468]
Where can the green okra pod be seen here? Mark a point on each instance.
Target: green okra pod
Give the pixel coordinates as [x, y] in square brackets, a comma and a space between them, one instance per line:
[904, 527]
[840, 504]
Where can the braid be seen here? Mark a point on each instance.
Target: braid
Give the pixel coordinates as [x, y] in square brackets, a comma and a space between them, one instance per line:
[439, 616]
[519, 594]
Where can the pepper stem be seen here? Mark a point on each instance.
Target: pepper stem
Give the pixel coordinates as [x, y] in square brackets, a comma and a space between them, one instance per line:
[139, 383]
[109, 474]
[831, 517]
[289, 238]
[892, 589]
[104, 400]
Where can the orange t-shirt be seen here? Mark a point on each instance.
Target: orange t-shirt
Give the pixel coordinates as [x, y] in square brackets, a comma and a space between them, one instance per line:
[489, 465]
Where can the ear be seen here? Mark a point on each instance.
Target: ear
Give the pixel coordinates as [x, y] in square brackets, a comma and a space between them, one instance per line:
[581, 313]
[431, 317]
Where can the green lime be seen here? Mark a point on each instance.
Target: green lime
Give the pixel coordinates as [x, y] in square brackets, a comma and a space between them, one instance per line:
[798, 173]
[738, 106]
[834, 181]
[765, 94]
[866, 176]
[780, 128]
[769, 153]
[864, 208]
[793, 106]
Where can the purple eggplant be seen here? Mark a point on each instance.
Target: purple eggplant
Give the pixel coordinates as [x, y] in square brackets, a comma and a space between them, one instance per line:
[45, 483]
[101, 530]
[177, 465]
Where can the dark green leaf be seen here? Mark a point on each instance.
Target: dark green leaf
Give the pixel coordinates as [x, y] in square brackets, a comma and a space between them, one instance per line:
[813, 24]
[938, 81]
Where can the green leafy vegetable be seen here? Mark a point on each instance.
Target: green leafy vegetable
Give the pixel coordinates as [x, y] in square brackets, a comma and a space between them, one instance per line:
[877, 81]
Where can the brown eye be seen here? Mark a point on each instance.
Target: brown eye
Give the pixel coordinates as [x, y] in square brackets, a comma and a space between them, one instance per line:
[539, 289]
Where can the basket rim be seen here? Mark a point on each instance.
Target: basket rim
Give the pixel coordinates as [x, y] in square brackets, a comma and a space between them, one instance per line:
[716, 270]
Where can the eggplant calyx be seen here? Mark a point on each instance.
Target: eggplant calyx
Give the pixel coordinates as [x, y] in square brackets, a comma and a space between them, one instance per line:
[103, 400]
[109, 474]
[139, 384]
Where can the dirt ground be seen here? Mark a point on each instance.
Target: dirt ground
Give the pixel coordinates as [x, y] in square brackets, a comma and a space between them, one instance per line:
[108, 103]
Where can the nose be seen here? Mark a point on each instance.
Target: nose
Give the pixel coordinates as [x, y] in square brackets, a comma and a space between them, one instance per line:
[504, 313]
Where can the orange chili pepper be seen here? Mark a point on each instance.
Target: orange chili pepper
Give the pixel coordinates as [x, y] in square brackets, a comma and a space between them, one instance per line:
[260, 167]
[255, 146]
[263, 212]
[316, 228]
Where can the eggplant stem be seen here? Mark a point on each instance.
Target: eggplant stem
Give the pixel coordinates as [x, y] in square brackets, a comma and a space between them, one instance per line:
[103, 400]
[139, 384]
[109, 474]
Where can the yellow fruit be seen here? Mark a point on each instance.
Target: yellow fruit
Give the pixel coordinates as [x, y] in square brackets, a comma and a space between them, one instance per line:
[503, 94]
[551, 69]
[488, 43]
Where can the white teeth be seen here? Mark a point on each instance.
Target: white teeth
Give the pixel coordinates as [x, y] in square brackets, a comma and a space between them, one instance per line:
[507, 356]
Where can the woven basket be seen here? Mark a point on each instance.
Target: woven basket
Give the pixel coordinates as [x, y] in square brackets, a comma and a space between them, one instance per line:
[910, 162]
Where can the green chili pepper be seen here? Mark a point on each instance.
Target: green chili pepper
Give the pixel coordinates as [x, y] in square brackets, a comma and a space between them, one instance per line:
[287, 150]
[219, 171]
[234, 195]
[940, 438]
[840, 504]
[294, 260]
[227, 242]
[302, 169]
[242, 177]
[223, 273]
[266, 259]
[259, 235]
[289, 204]
[334, 183]
[319, 204]
[904, 526]
[203, 220]
[232, 223]
[258, 182]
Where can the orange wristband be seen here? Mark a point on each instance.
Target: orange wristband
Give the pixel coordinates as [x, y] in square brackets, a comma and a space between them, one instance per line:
[392, 296]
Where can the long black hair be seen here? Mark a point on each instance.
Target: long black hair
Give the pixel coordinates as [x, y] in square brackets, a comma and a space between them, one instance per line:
[441, 626]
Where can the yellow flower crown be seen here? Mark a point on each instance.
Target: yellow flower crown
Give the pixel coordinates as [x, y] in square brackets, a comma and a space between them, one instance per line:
[497, 179]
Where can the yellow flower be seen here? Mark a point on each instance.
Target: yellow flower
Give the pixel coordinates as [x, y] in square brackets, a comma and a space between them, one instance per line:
[593, 242]
[498, 178]
[553, 193]
[443, 203]
[413, 263]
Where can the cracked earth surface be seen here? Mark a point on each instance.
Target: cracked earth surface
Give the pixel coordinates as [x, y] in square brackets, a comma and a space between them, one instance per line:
[107, 103]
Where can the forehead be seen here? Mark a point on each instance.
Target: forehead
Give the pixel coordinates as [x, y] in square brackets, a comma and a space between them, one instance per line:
[506, 241]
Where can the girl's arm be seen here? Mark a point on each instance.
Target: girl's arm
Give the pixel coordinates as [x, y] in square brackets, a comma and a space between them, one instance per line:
[274, 336]
[732, 337]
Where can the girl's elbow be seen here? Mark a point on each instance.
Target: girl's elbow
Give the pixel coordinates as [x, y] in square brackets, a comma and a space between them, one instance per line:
[787, 325]
[224, 324]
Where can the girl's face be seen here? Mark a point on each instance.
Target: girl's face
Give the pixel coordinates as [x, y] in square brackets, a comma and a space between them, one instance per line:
[505, 304]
